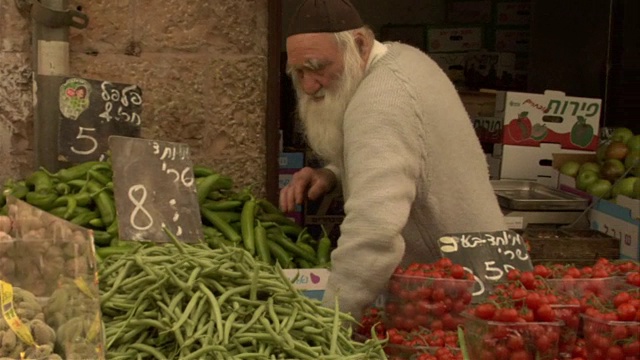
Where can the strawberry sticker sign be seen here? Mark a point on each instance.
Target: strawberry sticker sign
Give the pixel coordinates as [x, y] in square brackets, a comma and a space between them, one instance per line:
[552, 117]
[90, 112]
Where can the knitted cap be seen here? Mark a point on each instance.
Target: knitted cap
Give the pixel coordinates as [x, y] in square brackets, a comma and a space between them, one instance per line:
[316, 16]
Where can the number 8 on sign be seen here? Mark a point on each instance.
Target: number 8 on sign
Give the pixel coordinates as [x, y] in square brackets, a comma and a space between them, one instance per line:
[139, 208]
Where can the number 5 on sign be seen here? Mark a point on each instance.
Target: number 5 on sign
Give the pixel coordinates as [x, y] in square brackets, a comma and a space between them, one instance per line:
[83, 136]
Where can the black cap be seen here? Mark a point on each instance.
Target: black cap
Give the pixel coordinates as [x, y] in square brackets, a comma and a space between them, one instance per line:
[317, 16]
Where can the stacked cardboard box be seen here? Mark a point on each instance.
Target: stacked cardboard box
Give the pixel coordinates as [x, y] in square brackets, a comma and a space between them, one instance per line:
[526, 129]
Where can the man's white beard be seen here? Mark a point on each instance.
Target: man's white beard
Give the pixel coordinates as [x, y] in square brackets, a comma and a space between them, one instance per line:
[323, 119]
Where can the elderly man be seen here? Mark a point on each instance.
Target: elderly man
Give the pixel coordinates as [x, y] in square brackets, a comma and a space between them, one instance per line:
[395, 136]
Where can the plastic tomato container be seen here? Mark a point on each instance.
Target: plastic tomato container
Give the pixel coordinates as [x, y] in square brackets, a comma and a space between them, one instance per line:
[578, 288]
[570, 316]
[498, 340]
[436, 304]
[611, 339]
[402, 352]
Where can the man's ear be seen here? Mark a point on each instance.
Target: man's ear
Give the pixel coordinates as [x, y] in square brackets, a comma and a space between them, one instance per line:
[363, 44]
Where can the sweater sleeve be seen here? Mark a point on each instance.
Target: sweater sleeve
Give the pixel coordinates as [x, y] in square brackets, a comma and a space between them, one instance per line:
[382, 137]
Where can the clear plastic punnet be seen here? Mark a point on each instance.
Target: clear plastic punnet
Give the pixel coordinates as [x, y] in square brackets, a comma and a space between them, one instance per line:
[48, 288]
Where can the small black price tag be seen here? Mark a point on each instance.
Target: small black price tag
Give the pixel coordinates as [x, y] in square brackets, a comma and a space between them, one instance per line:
[90, 112]
[154, 187]
[489, 256]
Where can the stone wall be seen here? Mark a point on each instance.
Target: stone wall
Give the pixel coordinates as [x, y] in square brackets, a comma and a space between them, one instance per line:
[201, 64]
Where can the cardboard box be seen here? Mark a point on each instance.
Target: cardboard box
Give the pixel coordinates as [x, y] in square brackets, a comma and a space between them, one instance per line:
[485, 64]
[452, 64]
[479, 103]
[312, 282]
[406, 34]
[513, 13]
[488, 129]
[481, 107]
[532, 163]
[284, 177]
[466, 12]
[619, 218]
[512, 40]
[552, 117]
[620, 221]
[494, 166]
[494, 70]
[456, 39]
[291, 160]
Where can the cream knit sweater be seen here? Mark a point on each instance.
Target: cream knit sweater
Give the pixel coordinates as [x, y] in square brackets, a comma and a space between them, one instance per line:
[413, 170]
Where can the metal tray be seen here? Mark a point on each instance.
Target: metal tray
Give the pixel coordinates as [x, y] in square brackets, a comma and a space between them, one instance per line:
[533, 196]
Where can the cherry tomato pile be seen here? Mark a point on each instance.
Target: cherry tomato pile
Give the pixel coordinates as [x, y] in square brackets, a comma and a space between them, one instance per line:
[633, 278]
[517, 325]
[441, 354]
[372, 317]
[612, 328]
[428, 296]
[423, 344]
[554, 312]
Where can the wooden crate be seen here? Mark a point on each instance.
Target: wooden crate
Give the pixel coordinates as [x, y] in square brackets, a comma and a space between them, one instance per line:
[567, 246]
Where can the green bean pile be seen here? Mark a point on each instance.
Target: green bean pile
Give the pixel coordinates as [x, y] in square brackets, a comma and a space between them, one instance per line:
[180, 301]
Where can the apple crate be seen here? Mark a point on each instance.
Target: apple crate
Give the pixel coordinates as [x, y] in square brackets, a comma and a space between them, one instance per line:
[581, 247]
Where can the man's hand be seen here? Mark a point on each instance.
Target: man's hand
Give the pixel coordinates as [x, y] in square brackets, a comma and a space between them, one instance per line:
[306, 183]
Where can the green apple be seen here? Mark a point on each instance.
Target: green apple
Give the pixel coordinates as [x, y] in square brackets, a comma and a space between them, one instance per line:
[612, 170]
[586, 178]
[570, 168]
[636, 190]
[624, 187]
[634, 143]
[621, 134]
[632, 160]
[600, 188]
[601, 151]
[589, 165]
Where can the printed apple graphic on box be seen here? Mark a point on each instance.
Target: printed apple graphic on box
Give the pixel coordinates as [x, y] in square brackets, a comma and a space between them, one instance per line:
[539, 132]
[519, 129]
[581, 133]
[314, 278]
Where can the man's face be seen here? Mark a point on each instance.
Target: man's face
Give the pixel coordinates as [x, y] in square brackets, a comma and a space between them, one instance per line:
[325, 77]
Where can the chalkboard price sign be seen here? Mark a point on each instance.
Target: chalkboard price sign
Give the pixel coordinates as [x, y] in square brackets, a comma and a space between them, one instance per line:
[154, 188]
[489, 256]
[90, 112]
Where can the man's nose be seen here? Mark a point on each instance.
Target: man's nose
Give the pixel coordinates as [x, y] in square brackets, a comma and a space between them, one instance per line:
[310, 85]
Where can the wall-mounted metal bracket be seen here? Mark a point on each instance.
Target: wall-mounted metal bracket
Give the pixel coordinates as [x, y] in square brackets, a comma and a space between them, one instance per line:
[24, 7]
[50, 17]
